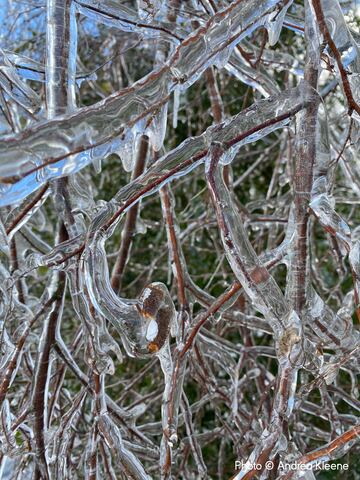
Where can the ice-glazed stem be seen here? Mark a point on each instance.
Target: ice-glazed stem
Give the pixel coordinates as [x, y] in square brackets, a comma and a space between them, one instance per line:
[124, 18]
[172, 230]
[253, 276]
[19, 216]
[217, 108]
[282, 407]
[41, 380]
[267, 297]
[333, 450]
[174, 372]
[129, 317]
[144, 323]
[14, 360]
[298, 273]
[16, 89]
[341, 32]
[107, 429]
[332, 328]
[190, 430]
[130, 221]
[249, 125]
[61, 38]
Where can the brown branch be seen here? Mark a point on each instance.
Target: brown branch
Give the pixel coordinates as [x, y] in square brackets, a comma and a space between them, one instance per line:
[39, 397]
[174, 245]
[14, 263]
[215, 307]
[328, 450]
[303, 178]
[130, 220]
[344, 75]
[217, 108]
[6, 376]
[27, 207]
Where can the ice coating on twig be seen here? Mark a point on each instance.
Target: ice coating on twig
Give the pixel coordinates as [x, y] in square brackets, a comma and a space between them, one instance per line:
[124, 18]
[132, 319]
[17, 90]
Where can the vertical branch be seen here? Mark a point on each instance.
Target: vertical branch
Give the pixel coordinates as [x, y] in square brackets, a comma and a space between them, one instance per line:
[61, 47]
[92, 455]
[130, 220]
[60, 57]
[172, 390]
[216, 103]
[298, 275]
[304, 166]
[217, 109]
[14, 263]
[41, 374]
[352, 104]
[60, 98]
[174, 246]
[8, 372]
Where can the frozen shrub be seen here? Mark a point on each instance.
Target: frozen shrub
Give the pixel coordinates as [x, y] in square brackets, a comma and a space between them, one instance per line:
[180, 246]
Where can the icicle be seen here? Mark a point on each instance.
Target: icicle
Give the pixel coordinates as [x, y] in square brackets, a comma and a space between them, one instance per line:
[275, 22]
[157, 128]
[127, 150]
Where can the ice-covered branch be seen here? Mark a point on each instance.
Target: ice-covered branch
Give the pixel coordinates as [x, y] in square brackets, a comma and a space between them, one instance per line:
[179, 238]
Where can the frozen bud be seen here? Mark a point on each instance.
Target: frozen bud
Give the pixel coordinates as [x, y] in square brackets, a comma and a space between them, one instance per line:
[157, 309]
